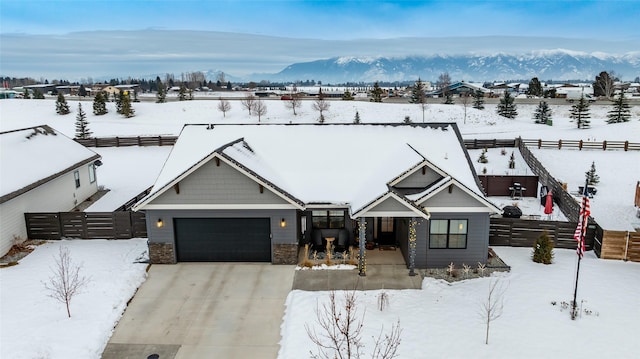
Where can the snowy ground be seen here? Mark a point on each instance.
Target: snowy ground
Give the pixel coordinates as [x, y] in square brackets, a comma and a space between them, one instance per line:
[439, 320]
[443, 319]
[36, 326]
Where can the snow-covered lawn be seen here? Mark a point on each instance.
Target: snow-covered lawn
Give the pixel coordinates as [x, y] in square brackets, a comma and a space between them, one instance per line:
[33, 325]
[443, 320]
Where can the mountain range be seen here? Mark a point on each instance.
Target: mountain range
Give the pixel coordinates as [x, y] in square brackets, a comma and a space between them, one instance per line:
[546, 65]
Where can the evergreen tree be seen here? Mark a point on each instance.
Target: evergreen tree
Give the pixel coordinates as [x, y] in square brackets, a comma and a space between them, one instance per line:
[621, 111]
[37, 94]
[182, 94]
[535, 88]
[356, 119]
[161, 96]
[542, 113]
[62, 108]
[483, 156]
[99, 104]
[580, 113]
[82, 126]
[407, 119]
[591, 176]
[543, 249]
[26, 95]
[82, 91]
[448, 98]
[376, 93]
[126, 110]
[347, 96]
[229, 85]
[507, 107]
[119, 99]
[478, 99]
[417, 92]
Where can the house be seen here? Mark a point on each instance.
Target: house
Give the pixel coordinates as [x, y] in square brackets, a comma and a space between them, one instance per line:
[460, 88]
[258, 192]
[41, 170]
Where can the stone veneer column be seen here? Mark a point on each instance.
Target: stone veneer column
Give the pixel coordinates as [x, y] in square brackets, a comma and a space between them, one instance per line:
[161, 253]
[285, 254]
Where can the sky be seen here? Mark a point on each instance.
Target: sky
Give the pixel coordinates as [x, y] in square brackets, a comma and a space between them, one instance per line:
[106, 39]
[337, 19]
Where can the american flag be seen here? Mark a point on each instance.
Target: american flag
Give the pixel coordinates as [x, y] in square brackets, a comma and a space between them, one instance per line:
[583, 220]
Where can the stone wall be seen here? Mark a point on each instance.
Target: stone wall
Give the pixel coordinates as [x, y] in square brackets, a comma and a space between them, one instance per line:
[285, 254]
[161, 253]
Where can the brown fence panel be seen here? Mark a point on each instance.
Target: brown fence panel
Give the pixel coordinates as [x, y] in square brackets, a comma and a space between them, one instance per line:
[493, 143]
[523, 233]
[43, 225]
[138, 225]
[86, 225]
[633, 247]
[100, 225]
[614, 244]
[73, 224]
[499, 185]
[128, 141]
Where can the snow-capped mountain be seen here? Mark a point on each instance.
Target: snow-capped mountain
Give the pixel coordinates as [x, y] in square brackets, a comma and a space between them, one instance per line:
[546, 65]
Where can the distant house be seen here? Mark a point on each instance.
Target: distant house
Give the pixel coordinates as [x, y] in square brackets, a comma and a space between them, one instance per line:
[460, 88]
[41, 170]
[259, 192]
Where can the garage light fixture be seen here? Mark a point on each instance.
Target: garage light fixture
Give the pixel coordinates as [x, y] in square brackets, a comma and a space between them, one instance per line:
[283, 223]
[160, 223]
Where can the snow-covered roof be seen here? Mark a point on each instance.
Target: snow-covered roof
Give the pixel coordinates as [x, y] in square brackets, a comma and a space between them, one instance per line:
[339, 164]
[32, 156]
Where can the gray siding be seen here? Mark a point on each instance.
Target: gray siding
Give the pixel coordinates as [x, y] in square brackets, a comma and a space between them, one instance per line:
[211, 184]
[457, 198]
[166, 234]
[389, 205]
[419, 180]
[402, 237]
[477, 243]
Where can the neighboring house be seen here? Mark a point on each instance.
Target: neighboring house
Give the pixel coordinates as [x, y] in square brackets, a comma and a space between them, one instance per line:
[41, 170]
[460, 88]
[258, 192]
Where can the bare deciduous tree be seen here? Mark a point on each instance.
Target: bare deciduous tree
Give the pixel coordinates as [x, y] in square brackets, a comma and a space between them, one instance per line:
[224, 106]
[294, 102]
[492, 307]
[248, 102]
[605, 84]
[66, 281]
[260, 109]
[465, 99]
[320, 104]
[444, 80]
[341, 329]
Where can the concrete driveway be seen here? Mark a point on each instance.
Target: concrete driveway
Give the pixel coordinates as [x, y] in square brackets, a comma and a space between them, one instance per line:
[205, 310]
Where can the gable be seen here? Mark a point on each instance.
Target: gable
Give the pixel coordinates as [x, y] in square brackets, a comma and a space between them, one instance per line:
[390, 205]
[419, 179]
[452, 198]
[218, 183]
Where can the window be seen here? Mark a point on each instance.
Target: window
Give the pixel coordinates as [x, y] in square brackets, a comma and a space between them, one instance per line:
[76, 177]
[92, 173]
[327, 219]
[448, 233]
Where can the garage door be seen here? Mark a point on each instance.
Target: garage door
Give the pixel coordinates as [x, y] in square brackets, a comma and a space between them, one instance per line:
[223, 239]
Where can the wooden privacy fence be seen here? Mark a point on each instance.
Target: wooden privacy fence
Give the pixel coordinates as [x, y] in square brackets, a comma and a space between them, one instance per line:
[499, 185]
[493, 143]
[580, 144]
[128, 141]
[623, 245]
[86, 225]
[516, 232]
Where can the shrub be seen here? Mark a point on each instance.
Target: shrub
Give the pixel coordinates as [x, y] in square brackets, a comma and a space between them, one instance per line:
[543, 249]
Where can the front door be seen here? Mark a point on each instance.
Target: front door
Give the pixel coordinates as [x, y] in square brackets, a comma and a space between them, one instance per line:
[385, 229]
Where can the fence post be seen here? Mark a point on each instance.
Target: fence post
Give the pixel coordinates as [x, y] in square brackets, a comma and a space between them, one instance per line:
[159, 140]
[580, 145]
[604, 145]
[559, 144]
[117, 142]
[139, 142]
[626, 146]
[539, 143]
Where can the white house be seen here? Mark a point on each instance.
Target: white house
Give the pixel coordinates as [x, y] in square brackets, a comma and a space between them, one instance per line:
[41, 170]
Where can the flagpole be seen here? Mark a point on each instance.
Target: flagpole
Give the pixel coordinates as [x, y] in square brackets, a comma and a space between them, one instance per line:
[580, 251]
